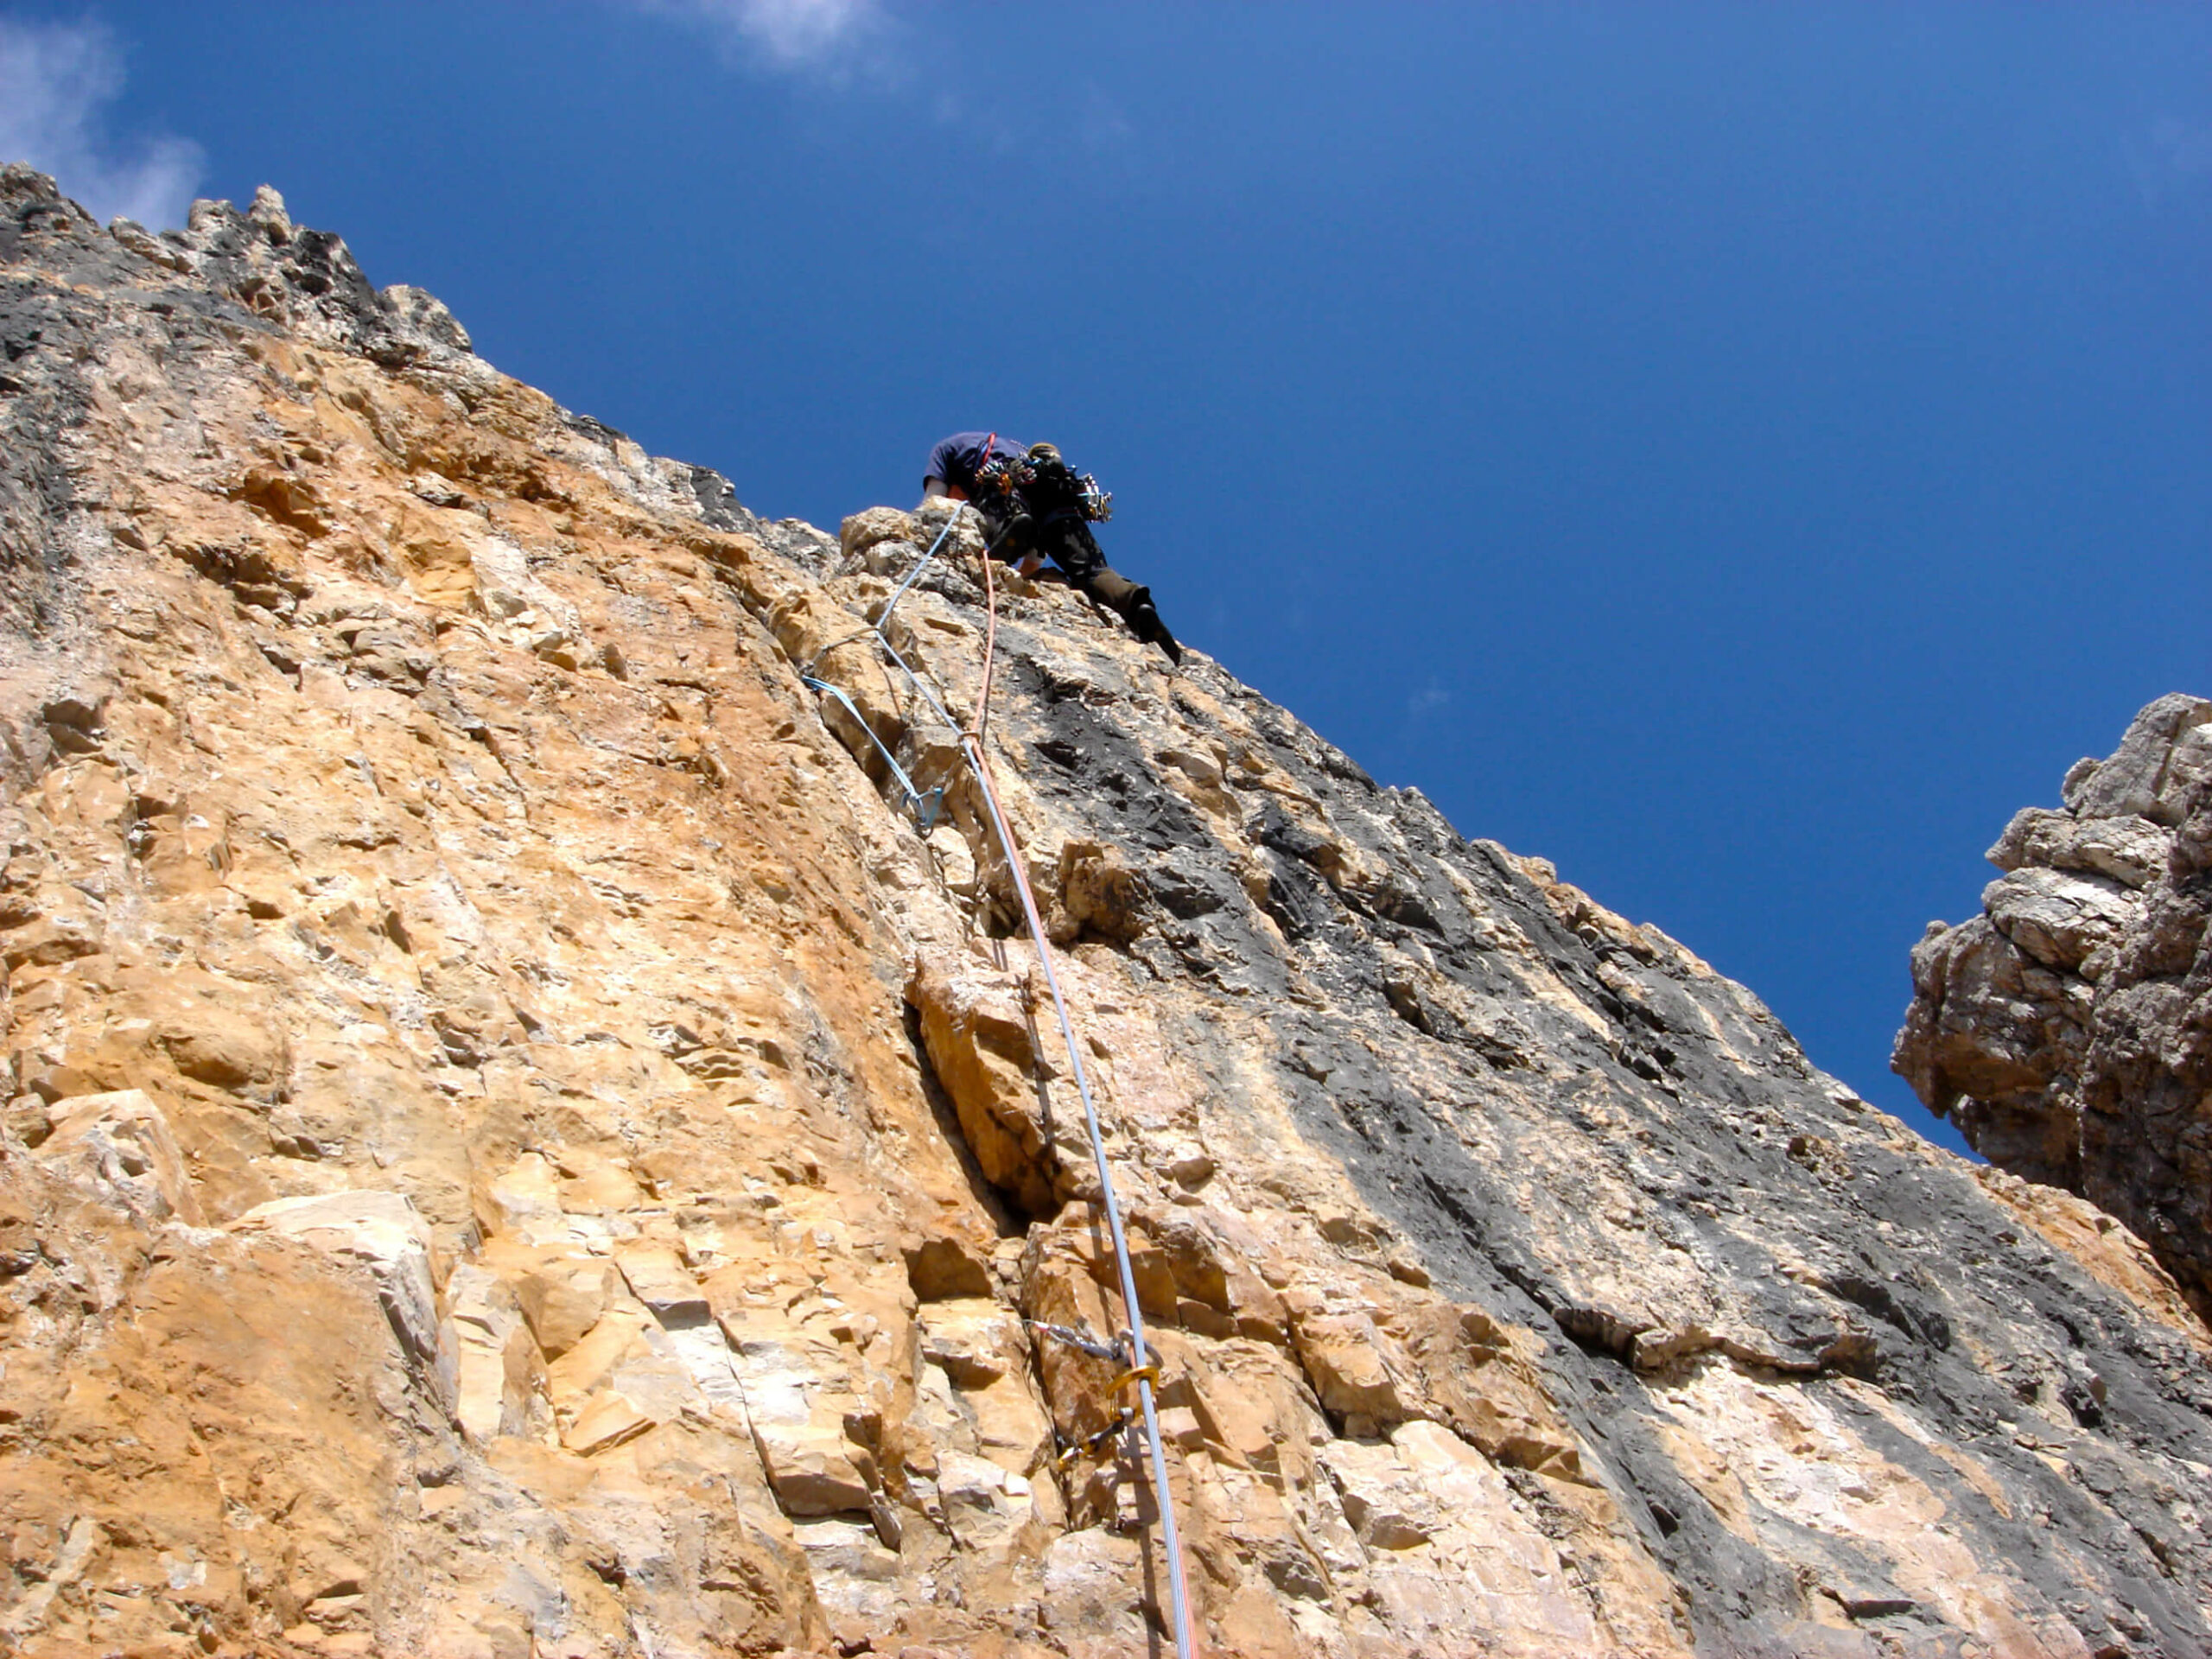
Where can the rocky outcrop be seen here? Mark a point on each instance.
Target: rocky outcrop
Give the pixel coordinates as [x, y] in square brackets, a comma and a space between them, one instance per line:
[521, 1144]
[2068, 1029]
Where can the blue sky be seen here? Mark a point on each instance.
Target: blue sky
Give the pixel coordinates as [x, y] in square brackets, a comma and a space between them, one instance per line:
[1740, 452]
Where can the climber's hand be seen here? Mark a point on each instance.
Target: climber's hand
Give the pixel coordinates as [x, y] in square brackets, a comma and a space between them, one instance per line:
[1031, 564]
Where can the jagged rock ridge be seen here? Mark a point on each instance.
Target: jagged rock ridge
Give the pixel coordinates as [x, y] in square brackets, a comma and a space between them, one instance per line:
[2068, 1029]
[518, 1147]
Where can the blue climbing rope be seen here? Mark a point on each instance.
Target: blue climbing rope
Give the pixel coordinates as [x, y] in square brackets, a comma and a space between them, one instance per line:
[924, 805]
[1143, 1371]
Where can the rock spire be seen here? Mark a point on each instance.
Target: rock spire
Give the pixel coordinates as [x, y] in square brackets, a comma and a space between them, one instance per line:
[2068, 1028]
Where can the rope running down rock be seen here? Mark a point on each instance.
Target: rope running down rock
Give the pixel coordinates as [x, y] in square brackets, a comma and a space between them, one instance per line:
[1143, 1375]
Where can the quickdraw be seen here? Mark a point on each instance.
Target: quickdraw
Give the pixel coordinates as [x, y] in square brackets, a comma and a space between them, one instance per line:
[1121, 1349]
[1081, 1341]
[1071, 1451]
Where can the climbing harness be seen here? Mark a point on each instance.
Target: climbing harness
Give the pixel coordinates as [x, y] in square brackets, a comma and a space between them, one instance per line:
[1052, 488]
[1003, 475]
[1130, 1350]
[1006, 476]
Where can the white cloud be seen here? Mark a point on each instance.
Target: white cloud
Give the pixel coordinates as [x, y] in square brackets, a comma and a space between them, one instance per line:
[56, 81]
[815, 34]
[887, 46]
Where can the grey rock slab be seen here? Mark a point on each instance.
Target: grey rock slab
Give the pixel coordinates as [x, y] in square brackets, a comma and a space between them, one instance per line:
[1597, 1135]
[2057, 916]
[2131, 779]
[2131, 851]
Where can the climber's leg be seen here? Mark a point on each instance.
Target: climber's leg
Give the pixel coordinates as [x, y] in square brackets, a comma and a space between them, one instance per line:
[1076, 552]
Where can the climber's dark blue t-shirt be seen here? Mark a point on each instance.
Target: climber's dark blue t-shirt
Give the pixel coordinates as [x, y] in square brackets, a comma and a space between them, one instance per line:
[958, 459]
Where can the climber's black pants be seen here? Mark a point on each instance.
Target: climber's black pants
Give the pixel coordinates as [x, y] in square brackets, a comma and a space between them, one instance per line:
[1067, 542]
[1065, 539]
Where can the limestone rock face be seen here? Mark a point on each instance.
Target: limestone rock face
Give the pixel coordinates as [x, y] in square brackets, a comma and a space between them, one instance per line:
[2068, 1029]
[519, 1143]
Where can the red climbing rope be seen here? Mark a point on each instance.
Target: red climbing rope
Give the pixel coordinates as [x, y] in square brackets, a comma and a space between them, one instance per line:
[990, 649]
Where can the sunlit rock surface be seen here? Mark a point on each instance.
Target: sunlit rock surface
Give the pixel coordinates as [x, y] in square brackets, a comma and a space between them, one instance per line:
[519, 1146]
[2068, 1029]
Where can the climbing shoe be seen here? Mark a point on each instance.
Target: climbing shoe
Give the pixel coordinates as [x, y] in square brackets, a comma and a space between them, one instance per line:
[1145, 623]
[1017, 538]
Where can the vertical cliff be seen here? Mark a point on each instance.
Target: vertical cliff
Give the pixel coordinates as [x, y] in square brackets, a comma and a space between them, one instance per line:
[520, 1144]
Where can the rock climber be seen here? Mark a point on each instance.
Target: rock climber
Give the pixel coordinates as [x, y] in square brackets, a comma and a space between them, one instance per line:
[1033, 507]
